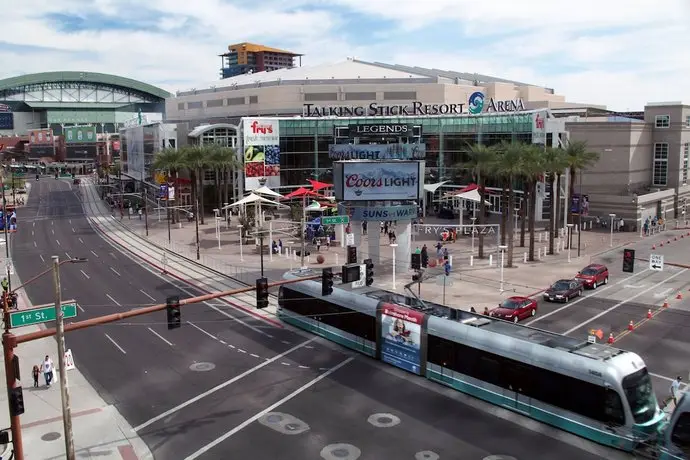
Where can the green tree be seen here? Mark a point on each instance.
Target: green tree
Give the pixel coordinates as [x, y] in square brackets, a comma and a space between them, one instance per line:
[197, 160]
[172, 161]
[578, 158]
[480, 159]
[532, 169]
[508, 168]
[554, 164]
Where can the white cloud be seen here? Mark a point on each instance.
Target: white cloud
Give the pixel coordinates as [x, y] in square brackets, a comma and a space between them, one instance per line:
[613, 52]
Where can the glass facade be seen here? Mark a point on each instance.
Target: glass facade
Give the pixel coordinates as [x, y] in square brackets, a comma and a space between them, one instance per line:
[304, 143]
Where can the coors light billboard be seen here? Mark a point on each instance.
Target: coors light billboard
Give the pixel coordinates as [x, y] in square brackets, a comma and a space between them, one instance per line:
[378, 181]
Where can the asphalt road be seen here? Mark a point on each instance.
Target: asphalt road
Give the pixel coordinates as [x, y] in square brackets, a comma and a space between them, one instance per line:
[662, 341]
[211, 388]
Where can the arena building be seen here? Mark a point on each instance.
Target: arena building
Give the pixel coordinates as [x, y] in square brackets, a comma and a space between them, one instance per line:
[72, 116]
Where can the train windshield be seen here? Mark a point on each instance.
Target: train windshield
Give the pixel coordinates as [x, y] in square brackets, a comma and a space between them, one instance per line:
[640, 396]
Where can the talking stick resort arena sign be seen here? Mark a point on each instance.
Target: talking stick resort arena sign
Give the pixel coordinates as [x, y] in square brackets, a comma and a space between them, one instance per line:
[477, 103]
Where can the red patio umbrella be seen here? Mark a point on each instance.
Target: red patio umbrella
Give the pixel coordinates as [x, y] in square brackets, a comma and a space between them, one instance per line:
[302, 193]
[317, 185]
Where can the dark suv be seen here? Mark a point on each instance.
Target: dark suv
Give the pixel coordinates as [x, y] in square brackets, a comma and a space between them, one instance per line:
[564, 290]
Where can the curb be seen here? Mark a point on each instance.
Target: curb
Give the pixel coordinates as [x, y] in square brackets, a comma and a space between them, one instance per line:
[179, 278]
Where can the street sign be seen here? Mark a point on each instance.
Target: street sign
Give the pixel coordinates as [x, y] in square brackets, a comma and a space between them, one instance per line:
[361, 282]
[592, 339]
[656, 262]
[69, 361]
[335, 220]
[41, 314]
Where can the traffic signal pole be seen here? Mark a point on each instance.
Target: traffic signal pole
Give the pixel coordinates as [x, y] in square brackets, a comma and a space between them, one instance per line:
[9, 342]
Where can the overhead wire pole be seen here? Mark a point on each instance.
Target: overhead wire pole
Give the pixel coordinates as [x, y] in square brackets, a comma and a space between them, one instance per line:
[64, 392]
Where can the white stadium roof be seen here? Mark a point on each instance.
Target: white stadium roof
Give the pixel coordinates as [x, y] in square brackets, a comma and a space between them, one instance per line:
[344, 71]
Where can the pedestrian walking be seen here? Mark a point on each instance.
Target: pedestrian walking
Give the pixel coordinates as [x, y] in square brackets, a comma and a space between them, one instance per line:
[5, 284]
[36, 372]
[47, 368]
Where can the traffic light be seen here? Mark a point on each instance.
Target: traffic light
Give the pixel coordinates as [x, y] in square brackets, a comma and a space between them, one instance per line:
[16, 401]
[327, 281]
[173, 310]
[369, 272]
[416, 261]
[261, 293]
[629, 260]
[352, 254]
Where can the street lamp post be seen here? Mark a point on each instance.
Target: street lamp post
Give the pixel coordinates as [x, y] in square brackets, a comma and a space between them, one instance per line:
[239, 228]
[196, 225]
[639, 211]
[570, 238]
[217, 215]
[503, 251]
[612, 216]
[474, 219]
[393, 246]
[225, 207]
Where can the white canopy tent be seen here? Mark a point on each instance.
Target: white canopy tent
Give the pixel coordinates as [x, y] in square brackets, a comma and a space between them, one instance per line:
[431, 188]
[252, 198]
[472, 195]
[267, 191]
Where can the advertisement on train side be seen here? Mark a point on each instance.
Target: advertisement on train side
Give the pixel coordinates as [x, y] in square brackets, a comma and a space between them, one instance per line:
[401, 337]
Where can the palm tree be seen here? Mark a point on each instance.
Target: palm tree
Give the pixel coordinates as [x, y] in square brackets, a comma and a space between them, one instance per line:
[196, 159]
[480, 159]
[554, 163]
[172, 161]
[532, 169]
[578, 158]
[508, 168]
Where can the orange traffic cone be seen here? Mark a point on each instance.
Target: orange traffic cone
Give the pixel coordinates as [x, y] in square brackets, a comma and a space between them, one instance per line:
[661, 245]
[665, 305]
[611, 339]
[649, 313]
[682, 236]
[679, 296]
[631, 326]
[653, 246]
[668, 242]
[675, 238]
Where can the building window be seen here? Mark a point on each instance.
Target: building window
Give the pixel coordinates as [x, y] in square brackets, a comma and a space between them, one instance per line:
[662, 121]
[314, 97]
[660, 172]
[360, 96]
[687, 121]
[180, 106]
[686, 160]
[214, 103]
[400, 96]
[194, 105]
[253, 99]
[236, 101]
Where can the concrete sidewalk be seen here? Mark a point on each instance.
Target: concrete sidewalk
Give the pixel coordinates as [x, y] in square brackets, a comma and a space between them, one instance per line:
[100, 432]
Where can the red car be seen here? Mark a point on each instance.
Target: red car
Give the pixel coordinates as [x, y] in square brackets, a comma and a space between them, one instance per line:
[515, 308]
[593, 276]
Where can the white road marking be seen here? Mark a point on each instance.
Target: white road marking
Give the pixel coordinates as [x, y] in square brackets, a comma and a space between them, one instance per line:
[568, 305]
[241, 351]
[662, 294]
[143, 292]
[51, 222]
[223, 342]
[80, 240]
[85, 275]
[95, 254]
[270, 408]
[115, 271]
[254, 355]
[68, 256]
[70, 221]
[41, 256]
[584, 323]
[73, 230]
[234, 318]
[81, 309]
[160, 336]
[35, 244]
[222, 385]
[32, 233]
[116, 345]
[52, 231]
[205, 332]
[58, 242]
[112, 255]
[303, 367]
[114, 301]
[285, 364]
[34, 224]
[635, 286]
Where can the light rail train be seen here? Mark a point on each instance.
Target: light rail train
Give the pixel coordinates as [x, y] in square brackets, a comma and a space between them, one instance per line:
[595, 391]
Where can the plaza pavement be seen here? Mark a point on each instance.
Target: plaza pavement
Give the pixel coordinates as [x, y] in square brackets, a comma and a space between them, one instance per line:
[473, 282]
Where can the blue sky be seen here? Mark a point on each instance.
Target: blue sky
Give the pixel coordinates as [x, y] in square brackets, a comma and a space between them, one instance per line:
[614, 52]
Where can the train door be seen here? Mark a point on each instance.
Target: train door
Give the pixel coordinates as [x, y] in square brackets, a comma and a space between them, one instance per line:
[677, 436]
[518, 386]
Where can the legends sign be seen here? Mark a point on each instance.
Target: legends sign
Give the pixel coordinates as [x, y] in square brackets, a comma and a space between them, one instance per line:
[383, 129]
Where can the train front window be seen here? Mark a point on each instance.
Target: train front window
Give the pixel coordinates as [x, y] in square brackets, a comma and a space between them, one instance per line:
[640, 396]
